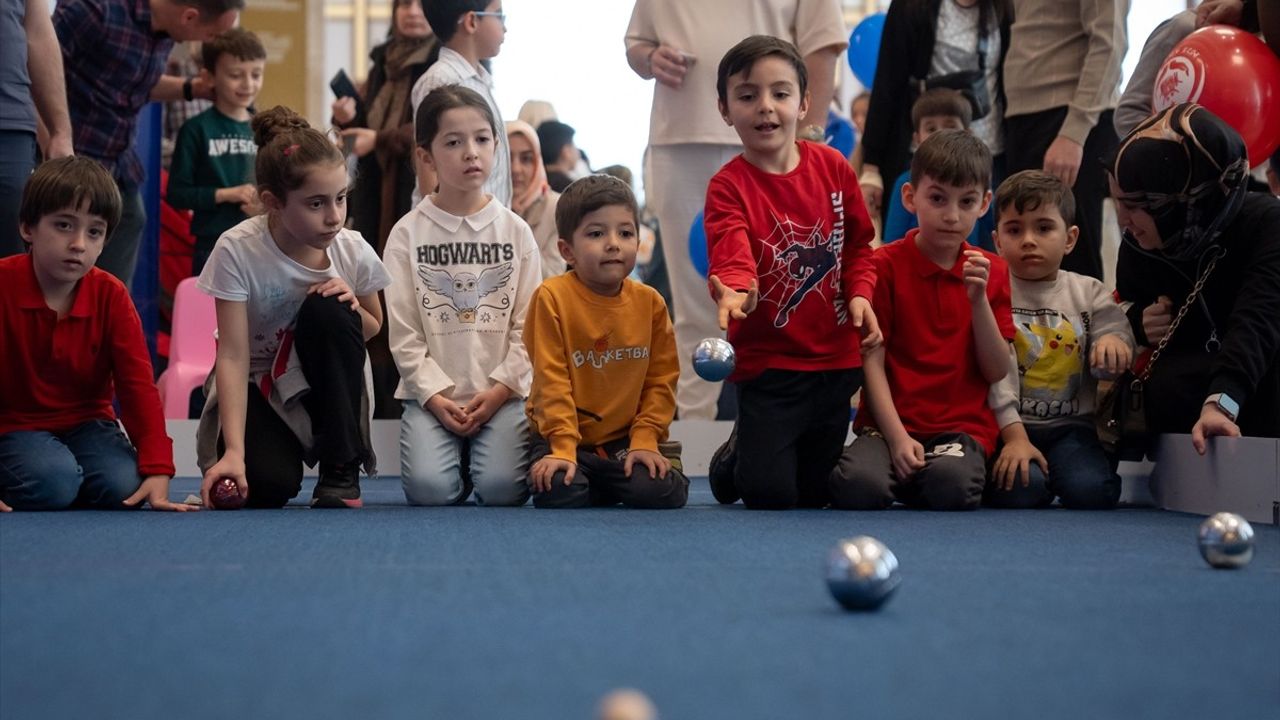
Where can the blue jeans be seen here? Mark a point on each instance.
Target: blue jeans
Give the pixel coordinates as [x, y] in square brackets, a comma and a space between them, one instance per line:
[433, 469]
[92, 465]
[17, 159]
[1080, 475]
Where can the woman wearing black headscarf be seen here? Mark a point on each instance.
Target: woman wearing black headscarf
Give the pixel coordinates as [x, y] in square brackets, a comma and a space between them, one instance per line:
[1180, 181]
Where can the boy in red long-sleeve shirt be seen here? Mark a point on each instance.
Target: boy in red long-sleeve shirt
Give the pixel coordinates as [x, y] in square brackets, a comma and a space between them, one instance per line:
[70, 342]
[789, 247]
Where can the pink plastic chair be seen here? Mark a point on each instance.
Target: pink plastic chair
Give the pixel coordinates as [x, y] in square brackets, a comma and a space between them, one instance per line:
[192, 348]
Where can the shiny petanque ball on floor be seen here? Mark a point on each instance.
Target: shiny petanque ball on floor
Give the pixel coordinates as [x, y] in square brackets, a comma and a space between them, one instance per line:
[714, 359]
[1226, 540]
[225, 495]
[862, 573]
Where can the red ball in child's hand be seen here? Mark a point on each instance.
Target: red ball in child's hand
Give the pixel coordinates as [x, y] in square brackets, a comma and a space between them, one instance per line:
[225, 495]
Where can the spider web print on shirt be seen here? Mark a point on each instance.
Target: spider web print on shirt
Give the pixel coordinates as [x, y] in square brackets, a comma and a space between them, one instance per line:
[802, 260]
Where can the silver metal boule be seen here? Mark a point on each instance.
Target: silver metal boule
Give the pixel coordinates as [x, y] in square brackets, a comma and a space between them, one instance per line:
[714, 359]
[1226, 540]
[862, 573]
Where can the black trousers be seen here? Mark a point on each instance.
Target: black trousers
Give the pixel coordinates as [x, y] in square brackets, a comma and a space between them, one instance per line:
[1027, 137]
[599, 481]
[330, 344]
[791, 427]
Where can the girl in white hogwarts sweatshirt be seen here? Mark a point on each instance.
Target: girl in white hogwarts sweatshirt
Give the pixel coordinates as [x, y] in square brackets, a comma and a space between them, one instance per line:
[463, 269]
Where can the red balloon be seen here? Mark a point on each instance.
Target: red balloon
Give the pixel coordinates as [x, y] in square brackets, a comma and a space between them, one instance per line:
[1233, 74]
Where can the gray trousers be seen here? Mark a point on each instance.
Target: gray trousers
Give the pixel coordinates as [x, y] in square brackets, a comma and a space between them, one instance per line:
[953, 476]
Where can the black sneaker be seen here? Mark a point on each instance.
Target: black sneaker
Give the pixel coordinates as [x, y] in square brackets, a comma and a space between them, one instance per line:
[338, 487]
[722, 469]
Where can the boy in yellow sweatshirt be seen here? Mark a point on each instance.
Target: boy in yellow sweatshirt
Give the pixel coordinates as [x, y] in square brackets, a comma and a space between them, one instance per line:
[604, 365]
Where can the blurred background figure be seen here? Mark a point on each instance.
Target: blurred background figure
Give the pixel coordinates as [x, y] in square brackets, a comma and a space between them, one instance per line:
[536, 112]
[380, 126]
[531, 197]
[559, 154]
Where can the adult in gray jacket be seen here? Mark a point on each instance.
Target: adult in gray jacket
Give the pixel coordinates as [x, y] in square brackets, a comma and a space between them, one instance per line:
[31, 91]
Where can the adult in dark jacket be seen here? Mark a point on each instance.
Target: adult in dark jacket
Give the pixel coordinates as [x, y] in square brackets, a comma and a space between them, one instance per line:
[910, 50]
[381, 126]
[381, 123]
[1180, 181]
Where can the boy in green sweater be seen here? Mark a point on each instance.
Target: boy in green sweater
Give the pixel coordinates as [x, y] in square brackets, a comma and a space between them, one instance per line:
[212, 169]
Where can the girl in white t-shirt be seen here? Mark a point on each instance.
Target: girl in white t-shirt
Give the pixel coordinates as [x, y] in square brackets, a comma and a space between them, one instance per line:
[464, 267]
[297, 297]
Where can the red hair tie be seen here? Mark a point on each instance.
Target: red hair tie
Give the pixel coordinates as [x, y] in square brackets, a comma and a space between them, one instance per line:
[289, 150]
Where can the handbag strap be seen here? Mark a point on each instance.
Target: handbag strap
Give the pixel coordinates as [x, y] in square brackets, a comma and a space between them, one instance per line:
[1196, 289]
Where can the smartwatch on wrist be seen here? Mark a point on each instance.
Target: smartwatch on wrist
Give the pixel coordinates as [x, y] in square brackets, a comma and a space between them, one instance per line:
[188, 93]
[1226, 404]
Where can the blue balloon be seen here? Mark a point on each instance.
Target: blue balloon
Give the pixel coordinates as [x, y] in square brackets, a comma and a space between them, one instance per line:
[841, 134]
[864, 48]
[698, 245]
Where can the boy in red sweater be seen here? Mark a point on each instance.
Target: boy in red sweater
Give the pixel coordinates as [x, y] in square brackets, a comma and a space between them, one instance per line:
[789, 247]
[925, 430]
[71, 341]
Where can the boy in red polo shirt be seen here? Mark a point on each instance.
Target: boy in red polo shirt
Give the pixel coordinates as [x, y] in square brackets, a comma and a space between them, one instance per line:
[71, 341]
[787, 230]
[925, 429]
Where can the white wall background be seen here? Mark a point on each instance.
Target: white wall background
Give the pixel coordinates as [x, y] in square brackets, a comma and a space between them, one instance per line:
[570, 53]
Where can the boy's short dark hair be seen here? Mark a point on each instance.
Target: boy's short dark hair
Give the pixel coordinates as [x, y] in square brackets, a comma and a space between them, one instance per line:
[443, 15]
[441, 100]
[1275, 161]
[743, 56]
[212, 9]
[941, 102]
[953, 157]
[236, 42]
[588, 194]
[1031, 189]
[70, 182]
[553, 135]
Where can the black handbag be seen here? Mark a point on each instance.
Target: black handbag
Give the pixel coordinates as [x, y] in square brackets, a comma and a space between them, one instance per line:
[1121, 415]
[970, 83]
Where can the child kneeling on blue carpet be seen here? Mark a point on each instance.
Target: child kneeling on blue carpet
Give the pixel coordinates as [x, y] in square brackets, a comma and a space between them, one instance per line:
[604, 365]
[925, 429]
[71, 342]
[1069, 328]
[464, 267]
[296, 297]
[787, 229]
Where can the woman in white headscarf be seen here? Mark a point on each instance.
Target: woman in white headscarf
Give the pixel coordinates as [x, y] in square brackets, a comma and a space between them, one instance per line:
[531, 196]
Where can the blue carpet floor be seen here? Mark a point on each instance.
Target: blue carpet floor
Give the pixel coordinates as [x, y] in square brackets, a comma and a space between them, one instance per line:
[393, 612]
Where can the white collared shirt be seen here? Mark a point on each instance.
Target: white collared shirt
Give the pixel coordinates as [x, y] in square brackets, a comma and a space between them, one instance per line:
[453, 69]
